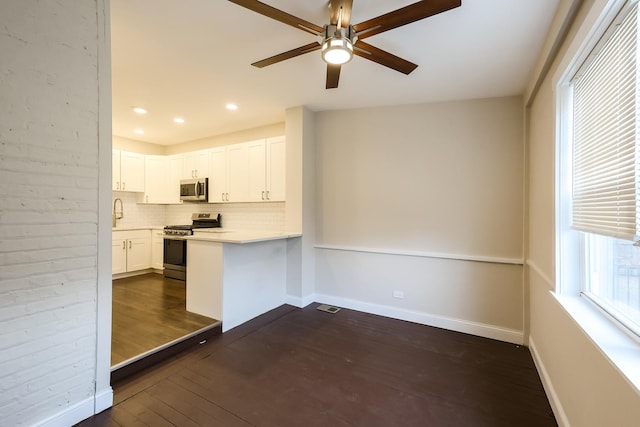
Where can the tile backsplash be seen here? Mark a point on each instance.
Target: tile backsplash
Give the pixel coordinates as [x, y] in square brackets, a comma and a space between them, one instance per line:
[240, 216]
[137, 215]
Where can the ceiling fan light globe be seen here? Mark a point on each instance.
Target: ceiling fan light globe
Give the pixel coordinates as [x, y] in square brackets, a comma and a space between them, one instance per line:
[337, 51]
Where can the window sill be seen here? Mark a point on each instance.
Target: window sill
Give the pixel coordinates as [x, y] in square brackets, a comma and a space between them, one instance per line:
[619, 347]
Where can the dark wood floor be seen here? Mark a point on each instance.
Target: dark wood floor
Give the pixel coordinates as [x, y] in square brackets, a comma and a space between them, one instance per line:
[303, 367]
[149, 311]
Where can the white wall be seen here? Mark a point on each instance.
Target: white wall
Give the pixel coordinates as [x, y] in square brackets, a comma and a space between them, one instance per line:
[300, 212]
[404, 188]
[585, 388]
[49, 170]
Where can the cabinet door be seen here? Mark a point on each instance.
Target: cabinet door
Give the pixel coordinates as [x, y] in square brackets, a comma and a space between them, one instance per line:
[256, 154]
[132, 171]
[157, 249]
[217, 174]
[175, 175]
[115, 170]
[118, 255]
[238, 173]
[138, 253]
[156, 189]
[195, 164]
[276, 167]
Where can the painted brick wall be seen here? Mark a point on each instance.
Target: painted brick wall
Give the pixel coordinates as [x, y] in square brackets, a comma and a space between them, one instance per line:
[48, 207]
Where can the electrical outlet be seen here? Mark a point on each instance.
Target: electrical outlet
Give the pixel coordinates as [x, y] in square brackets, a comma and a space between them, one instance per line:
[398, 294]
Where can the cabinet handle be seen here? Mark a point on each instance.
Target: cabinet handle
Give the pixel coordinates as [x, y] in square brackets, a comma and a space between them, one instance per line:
[222, 196]
[147, 199]
[123, 183]
[262, 194]
[129, 244]
[124, 245]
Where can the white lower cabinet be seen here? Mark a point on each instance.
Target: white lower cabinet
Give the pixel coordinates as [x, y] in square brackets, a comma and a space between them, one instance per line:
[130, 251]
[157, 249]
[118, 255]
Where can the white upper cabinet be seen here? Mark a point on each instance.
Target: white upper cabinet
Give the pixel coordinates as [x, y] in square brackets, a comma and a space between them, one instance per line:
[248, 172]
[276, 163]
[175, 175]
[229, 174]
[257, 167]
[128, 171]
[157, 188]
[267, 170]
[218, 175]
[237, 173]
[195, 164]
[115, 170]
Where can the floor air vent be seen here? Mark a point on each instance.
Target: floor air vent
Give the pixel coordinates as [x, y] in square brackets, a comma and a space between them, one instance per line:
[327, 308]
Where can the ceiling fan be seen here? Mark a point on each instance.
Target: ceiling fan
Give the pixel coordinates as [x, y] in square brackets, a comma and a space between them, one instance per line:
[341, 40]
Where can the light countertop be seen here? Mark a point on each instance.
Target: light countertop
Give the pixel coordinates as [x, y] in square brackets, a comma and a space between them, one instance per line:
[239, 236]
[132, 228]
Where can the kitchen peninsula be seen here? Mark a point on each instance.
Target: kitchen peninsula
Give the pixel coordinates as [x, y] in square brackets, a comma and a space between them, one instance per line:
[235, 276]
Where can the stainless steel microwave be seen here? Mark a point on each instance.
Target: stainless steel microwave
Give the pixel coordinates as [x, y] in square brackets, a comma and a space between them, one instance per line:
[194, 190]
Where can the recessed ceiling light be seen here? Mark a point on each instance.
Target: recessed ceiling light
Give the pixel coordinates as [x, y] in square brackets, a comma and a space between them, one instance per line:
[139, 110]
[232, 107]
[139, 131]
[178, 120]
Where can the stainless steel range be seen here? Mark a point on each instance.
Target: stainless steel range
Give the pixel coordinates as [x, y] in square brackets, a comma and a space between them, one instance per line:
[175, 247]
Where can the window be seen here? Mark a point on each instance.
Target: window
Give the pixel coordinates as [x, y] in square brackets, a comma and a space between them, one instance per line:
[603, 99]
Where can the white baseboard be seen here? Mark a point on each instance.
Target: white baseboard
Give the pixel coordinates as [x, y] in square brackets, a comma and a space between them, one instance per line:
[104, 400]
[80, 411]
[300, 302]
[556, 406]
[458, 325]
[70, 415]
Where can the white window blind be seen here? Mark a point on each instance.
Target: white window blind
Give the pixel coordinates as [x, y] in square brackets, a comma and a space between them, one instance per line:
[604, 132]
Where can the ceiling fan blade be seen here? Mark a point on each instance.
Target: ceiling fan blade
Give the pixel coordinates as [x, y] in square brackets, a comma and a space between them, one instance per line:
[406, 15]
[287, 55]
[333, 76]
[335, 5]
[278, 15]
[382, 57]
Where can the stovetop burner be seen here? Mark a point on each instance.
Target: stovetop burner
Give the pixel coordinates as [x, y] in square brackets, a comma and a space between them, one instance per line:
[200, 220]
[178, 227]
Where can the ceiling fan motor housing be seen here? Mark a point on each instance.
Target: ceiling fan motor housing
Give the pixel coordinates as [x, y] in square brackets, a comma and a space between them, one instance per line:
[337, 44]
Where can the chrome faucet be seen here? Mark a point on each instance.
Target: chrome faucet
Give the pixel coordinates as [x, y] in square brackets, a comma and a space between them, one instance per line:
[115, 216]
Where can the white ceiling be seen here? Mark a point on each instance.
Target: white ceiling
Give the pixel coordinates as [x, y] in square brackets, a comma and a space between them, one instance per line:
[189, 58]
